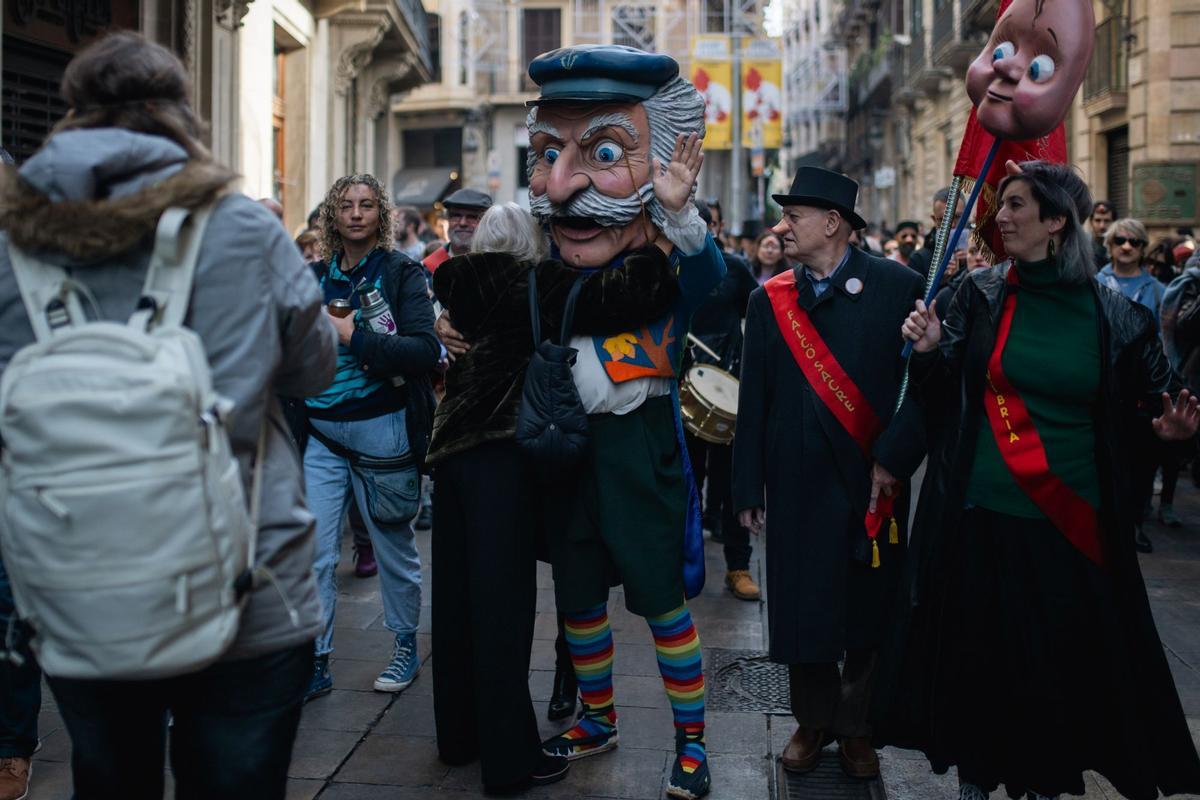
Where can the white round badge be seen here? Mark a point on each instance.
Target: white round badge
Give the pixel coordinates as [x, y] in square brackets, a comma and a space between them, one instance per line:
[854, 286]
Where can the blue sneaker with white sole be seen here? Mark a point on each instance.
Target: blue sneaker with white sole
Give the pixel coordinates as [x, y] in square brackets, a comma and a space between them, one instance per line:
[402, 670]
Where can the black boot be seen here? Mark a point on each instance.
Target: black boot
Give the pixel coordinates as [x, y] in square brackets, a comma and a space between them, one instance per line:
[1141, 541]
[562, 699]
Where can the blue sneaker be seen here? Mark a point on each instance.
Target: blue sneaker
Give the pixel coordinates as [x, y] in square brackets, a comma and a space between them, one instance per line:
[322, 679]
[404, 666]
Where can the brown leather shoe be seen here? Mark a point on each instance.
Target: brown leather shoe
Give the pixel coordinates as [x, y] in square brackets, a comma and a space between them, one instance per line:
[14, 778]
[859, 759]
[803, 750]
[742, 585]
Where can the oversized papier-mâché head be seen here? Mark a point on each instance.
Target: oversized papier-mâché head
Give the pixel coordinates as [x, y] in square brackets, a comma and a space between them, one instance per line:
[603, 113]
[1023, 82]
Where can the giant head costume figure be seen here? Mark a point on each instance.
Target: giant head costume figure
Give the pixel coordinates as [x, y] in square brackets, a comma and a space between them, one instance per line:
[1023, 82]
[604, 114]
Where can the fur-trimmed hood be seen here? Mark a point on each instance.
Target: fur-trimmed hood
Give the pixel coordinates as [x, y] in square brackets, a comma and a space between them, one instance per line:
[93, 194]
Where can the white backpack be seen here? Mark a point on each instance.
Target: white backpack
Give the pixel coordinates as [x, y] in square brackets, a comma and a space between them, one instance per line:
[124, 526]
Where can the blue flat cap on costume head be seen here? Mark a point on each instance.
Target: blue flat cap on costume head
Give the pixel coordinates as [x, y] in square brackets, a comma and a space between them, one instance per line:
[598, 72]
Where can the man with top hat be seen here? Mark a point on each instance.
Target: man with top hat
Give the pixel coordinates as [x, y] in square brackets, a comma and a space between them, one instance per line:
[613, 158]
[820, 459]
[464, 209]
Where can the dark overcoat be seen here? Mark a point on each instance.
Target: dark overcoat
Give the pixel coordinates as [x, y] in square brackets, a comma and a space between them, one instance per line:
[793, 457]
[1151, 746]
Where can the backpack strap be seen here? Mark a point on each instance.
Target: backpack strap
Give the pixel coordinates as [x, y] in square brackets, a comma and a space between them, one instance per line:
[569, 310]
[535, 315]
[167, 291]
[51, 297]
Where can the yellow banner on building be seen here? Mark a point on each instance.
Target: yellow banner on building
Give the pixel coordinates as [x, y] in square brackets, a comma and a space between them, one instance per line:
[712, 75]
[762, 97]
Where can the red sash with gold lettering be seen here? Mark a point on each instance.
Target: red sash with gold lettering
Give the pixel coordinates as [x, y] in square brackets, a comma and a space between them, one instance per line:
[833, 386]
[1023, 451]
[831, 383]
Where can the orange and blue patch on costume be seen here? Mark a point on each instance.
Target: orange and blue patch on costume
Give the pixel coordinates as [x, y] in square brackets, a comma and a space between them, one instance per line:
[649, 352]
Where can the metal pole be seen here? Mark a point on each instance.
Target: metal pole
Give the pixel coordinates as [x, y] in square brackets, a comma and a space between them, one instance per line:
[737, 164]
[939, 247]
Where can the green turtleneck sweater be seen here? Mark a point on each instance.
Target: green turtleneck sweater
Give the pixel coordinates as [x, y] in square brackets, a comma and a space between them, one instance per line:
[1052, 359]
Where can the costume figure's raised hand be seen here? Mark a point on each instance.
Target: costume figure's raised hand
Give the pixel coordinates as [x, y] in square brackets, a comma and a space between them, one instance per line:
[673, 182]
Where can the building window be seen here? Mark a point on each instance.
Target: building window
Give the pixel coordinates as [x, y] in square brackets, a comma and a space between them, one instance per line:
[464, 46]
[541, 32]
[1118, 169]
[522, 173]
[716, 13]
[432, 147]
[435, 46]
[633, 26]
[278, 128]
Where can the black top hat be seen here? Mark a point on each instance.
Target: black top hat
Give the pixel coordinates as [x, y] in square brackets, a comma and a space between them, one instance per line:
[822, 188]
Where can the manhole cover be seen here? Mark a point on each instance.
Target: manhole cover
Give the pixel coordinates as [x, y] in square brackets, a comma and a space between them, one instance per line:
[744, 680]
[827, 782]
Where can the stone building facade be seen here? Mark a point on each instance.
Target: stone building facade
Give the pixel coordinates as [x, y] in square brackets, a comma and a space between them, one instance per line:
[467, 127]
[1133, 131]
[295, 91]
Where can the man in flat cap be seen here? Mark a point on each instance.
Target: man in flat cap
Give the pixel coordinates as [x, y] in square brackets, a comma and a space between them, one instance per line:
[817, 446]
[613, 158]
[464, 209]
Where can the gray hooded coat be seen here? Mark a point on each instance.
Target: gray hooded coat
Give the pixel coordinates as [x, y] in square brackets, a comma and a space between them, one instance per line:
[255, 306]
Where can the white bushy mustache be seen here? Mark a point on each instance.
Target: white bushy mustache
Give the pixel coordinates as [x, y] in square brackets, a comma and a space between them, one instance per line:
[605, 211]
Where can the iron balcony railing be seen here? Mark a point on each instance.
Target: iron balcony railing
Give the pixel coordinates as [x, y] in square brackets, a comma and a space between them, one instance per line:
[414, 14]
[1109, 69]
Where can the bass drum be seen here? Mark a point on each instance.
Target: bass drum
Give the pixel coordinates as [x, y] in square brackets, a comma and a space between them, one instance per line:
[708, 400]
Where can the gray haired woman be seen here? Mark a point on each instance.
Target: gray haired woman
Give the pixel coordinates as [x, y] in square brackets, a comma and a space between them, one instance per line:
[486, 503]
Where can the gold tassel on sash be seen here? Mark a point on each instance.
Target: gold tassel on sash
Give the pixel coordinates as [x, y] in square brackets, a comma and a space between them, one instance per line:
[874, 553]
[893, 532]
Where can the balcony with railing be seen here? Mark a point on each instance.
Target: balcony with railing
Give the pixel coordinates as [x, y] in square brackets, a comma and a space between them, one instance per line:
[877, 73]
[1107, 77]
[955, 44]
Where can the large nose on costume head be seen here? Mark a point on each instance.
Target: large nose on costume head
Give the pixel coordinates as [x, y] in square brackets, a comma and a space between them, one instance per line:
[567, 178]
[1010, 69]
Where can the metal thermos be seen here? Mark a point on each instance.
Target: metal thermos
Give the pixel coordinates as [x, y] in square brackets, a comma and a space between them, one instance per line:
[376, 315]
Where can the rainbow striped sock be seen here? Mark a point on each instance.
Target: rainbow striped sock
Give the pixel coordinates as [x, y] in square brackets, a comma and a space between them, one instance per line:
[678, 647]
[589, 640]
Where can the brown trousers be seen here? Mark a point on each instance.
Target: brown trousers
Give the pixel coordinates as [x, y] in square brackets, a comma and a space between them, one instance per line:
[824, 699]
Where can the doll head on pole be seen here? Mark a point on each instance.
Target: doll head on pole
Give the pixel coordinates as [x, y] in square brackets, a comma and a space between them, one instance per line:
[1023, 82]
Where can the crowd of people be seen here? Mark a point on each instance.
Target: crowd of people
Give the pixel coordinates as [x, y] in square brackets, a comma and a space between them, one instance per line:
[563, 374]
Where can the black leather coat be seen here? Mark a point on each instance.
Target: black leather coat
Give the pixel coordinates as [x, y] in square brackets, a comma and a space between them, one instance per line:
[949, 384]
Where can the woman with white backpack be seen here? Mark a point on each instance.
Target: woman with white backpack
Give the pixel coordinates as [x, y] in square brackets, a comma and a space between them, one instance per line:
[156, 534]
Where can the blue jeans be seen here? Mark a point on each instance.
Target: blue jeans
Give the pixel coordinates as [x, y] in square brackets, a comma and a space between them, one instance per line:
[329, 480]
[20, 686]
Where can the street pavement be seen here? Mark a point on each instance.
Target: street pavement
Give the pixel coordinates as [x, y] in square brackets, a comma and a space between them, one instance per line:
[357, 744]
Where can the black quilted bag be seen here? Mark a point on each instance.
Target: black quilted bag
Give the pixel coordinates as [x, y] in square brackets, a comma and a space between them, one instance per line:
[551, 423]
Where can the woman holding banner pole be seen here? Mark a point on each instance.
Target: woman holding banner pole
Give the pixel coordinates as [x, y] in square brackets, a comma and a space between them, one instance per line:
[1027, 653]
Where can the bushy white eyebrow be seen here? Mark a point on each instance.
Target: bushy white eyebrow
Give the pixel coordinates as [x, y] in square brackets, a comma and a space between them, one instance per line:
[544, 127]
[618, 119]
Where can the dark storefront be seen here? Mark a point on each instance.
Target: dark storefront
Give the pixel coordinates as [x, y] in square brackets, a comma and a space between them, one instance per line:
[40, 37]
